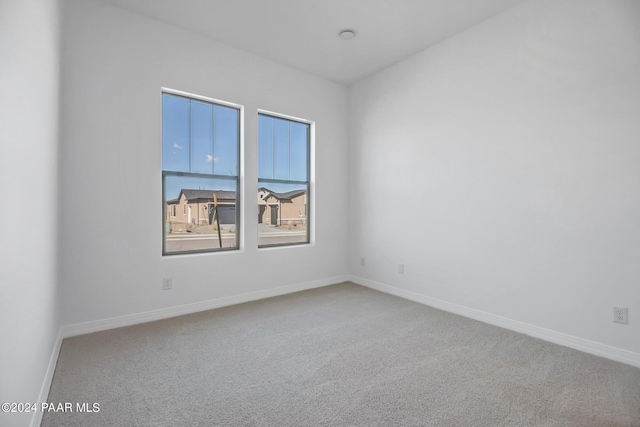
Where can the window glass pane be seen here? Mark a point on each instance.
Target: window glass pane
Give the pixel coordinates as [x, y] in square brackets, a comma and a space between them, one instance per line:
[265, 147]
[283, 156]
[225, 137]
[201, 137]
[281, 149]
[191, 219]
[175, 133]
[282, 214]
[299, 151]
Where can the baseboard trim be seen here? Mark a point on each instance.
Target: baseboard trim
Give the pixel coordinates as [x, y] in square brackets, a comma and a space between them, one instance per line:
[581, 344]
[36, 419]
[165, 313]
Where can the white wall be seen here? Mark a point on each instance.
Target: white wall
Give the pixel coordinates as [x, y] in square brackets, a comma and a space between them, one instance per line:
[29, 72]
[501, 166]
[115, 64]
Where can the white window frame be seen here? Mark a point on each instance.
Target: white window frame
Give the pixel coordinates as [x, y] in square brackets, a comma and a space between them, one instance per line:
[239, 177]
[310, 205]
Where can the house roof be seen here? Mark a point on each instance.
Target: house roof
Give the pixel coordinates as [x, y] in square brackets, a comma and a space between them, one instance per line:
[191, 194]
[284, 197]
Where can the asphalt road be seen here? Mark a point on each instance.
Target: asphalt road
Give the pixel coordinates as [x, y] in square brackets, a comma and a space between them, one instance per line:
[195, 242]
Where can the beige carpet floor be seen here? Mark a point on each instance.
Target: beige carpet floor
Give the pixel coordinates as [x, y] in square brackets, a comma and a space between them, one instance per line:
[343, 355]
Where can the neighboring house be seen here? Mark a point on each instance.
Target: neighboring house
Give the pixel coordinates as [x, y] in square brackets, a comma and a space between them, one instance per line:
[288, 208]
[195, 207]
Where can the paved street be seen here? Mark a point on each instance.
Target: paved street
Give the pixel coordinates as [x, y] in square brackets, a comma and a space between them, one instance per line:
[194, 242]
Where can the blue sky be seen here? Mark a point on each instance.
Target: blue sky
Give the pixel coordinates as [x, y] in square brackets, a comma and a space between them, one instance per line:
[200, 137]
[282, 149]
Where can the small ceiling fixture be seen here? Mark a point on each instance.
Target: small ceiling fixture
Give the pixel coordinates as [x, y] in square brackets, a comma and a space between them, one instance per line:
[347, 34]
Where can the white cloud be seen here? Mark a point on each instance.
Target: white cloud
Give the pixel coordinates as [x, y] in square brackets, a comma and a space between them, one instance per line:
[211, 159]
[179, 147]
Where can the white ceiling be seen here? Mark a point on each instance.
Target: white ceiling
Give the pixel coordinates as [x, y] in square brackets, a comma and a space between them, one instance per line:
[304, 33]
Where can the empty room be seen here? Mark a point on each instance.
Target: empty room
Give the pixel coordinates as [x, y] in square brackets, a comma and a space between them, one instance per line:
[306, 213]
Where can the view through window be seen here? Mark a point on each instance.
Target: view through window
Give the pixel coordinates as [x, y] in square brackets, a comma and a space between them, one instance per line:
[200, 169]
[283, 181]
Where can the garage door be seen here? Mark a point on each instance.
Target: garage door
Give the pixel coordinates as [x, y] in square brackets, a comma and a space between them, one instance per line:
[227, 214]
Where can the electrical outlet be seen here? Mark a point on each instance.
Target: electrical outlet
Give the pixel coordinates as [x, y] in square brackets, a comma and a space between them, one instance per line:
[167, 283]
[621, 315]
[363, 262]
[401, 268]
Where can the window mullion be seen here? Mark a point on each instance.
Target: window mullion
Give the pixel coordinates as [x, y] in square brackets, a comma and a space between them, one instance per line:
[273, 148]
[213, 143]
[289, 149]
[190, 133]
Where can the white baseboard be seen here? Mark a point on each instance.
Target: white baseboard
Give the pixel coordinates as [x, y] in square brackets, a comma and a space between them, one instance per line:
[164, 313]
[581, 344]
[36, 419]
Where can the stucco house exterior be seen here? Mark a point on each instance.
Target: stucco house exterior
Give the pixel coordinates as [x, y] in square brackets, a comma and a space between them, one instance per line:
[195, 207]
[288, 208]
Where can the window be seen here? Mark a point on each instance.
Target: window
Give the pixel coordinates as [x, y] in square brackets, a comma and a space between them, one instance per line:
[283, 181]
[200, 170]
